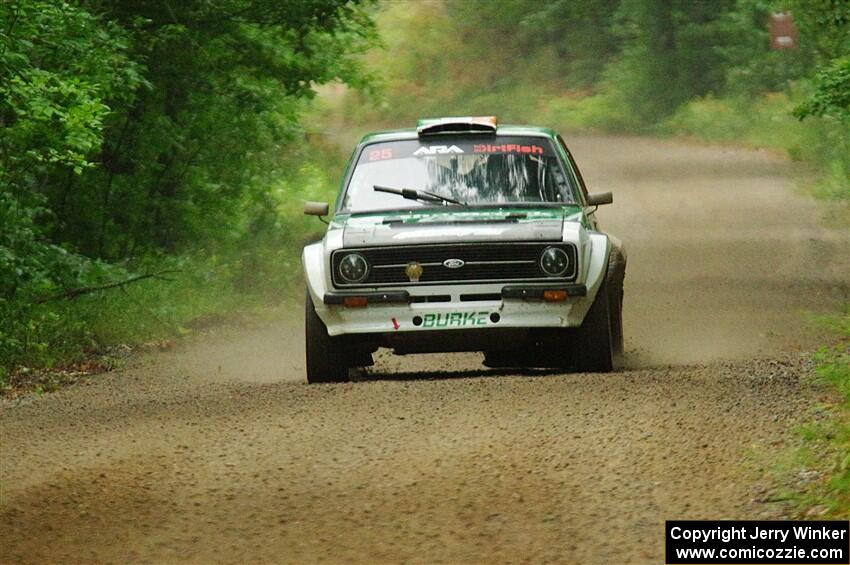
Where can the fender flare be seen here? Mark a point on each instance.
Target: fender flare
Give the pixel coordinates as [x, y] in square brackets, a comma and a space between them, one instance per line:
[313, 262]
[596, 249]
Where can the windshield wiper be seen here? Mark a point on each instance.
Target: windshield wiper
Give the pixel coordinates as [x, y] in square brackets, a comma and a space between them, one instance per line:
[420, 195]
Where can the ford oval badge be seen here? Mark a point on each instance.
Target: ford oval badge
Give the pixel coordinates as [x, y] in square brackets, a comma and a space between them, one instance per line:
[453, 263]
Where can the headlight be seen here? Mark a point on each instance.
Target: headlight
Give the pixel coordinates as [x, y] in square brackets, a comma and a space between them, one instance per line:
[554, 261]
[353, 268]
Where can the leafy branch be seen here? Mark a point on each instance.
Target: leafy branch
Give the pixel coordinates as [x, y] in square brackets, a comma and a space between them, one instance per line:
[76, 292]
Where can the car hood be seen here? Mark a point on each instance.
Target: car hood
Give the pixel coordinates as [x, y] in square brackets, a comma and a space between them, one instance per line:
[452, 225]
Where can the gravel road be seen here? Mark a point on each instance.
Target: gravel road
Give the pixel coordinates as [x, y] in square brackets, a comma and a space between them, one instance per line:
[217, 451]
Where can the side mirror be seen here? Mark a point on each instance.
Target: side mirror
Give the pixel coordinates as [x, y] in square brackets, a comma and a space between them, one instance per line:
[599, 198]
[316, 208]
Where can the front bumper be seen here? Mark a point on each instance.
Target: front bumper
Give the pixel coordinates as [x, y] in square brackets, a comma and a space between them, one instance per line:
[450, 307]
[511, 306]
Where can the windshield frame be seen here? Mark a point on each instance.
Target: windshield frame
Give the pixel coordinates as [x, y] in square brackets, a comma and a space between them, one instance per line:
[363, 146]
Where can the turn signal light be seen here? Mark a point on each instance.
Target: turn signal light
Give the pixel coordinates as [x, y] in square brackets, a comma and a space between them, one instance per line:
[554, 295]
[355, 301]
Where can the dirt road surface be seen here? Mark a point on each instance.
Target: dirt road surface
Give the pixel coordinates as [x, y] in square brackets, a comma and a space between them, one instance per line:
[217, 451]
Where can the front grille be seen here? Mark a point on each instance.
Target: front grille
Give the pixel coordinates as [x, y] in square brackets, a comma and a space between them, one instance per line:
[482, 262]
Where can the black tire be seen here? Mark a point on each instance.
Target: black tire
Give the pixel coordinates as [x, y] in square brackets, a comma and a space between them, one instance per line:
[594, 343]
[326, 360]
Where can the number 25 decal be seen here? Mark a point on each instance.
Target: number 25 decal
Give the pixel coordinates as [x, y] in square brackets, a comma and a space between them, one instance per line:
[380, 154]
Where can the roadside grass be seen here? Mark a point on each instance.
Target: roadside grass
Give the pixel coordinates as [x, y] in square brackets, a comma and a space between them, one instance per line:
[816, 473]
[828, 440]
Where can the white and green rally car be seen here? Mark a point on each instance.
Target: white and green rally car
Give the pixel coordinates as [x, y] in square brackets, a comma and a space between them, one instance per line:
[464, 235]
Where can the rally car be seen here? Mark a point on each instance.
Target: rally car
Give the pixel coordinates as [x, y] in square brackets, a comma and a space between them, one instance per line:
[464, 235]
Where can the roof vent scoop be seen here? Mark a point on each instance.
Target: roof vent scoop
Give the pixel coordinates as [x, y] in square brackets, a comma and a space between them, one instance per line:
[482, 124]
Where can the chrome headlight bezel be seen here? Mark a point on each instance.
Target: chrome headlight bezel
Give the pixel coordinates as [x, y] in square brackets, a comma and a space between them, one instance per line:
[557, 254]
[355, 257]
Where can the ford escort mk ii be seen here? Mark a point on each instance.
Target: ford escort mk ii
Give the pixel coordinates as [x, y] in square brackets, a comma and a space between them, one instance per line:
[464, 235]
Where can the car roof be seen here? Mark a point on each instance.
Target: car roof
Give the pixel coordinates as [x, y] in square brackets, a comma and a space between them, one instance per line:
[411, 133]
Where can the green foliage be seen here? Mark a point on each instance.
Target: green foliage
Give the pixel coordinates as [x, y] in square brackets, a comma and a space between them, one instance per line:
[668, 55]
[579, 33]
[59, 66]
[824, 26]
[141, 126]
[827, 24]
[752, 69]
[226, 90]
[831, 95]
[136, 132]
[637, 61]
[480, 56]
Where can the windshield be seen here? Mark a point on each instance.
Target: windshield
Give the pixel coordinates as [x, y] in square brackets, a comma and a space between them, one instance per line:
[486, 170]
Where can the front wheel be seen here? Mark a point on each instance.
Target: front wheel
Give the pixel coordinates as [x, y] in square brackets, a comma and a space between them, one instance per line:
[594, 340]
[326, 360]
